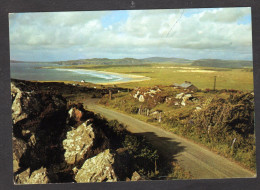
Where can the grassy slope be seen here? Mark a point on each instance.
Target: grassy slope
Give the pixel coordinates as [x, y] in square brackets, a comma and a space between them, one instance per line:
[176, 119]
[226, 78]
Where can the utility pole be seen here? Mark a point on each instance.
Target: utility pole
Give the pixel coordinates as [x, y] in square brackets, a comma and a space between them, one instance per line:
[110, 95]
[214, 87]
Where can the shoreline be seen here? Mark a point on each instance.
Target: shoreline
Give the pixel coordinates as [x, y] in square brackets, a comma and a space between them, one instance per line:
[131, 77]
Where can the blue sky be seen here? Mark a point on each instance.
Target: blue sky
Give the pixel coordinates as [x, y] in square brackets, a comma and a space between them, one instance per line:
[114, 17]
[190, 33]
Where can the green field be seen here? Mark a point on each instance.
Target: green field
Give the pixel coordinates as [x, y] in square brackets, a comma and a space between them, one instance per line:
[167, 74]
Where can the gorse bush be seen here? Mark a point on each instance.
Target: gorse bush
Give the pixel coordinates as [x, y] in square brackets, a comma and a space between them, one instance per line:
[141, 152]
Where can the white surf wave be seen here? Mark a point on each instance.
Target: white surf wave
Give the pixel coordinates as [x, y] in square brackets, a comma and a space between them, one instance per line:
[94, 74]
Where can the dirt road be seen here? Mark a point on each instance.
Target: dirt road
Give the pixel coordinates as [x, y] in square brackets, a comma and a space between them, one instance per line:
[202, 163]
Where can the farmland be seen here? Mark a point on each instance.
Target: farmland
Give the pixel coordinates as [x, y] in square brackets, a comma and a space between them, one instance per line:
[167, 74]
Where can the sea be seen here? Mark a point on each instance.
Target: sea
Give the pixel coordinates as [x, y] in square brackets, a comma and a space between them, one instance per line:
[38, 72]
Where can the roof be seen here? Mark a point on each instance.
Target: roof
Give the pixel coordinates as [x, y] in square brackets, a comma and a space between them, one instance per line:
[184, 85]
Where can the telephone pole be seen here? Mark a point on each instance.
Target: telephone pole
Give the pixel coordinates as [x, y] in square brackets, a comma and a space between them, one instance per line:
[214, 87]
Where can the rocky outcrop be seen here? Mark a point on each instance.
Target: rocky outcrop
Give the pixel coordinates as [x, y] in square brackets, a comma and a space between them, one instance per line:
[37, 177]
[67, 143]
[136, 177]
[38, 121]
[17, 112]
[19, 149]
[97, 169]
[80, 142]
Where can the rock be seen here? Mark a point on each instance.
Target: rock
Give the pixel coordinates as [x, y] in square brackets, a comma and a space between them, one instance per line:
[185, 98]
[34, 109]
[136, 177]
[32, 140]
[168, 99]
[136, 95]
[37, 177]
[179, 96]
[19, 149]
[17, 111]
[75, 114]
[141, 98]
[198, 108]
[97, 169]
[154, 113]
[78, 142]
[152, 91]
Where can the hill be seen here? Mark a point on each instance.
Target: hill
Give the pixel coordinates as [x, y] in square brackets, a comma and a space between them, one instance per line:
[15, 61]
[103, 61]
[222, 63]
[165, 59]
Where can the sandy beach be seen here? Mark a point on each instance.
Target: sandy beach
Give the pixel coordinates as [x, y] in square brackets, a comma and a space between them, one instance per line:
[134, 78]
[131, 77]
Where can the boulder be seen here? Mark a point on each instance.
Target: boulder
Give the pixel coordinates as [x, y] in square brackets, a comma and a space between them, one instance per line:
[141, 98]
[185, 98]
[37, 177]
[136, 95]
[97, 169]
[179, 96]
[152, 91]
[19, 149]
[75, 114]
[17, 111]
[78, 142]
[198, 108]
[136, 177]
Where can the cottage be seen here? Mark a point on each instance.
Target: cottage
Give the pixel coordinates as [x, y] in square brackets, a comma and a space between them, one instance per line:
[83, 81]
[186, 85]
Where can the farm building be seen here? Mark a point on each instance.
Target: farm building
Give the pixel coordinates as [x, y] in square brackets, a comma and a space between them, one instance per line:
[186, 85]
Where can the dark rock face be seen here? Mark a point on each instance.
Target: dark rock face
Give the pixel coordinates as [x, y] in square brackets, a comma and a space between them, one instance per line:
[52, 143]
[38, 122]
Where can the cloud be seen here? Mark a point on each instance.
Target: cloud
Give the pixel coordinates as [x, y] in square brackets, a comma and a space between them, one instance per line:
[140, 34]
[225, 15]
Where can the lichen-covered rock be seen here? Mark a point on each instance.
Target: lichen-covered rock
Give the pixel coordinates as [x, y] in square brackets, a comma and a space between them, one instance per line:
[97, 169]
[78, 142]
[136, 177]
[19, 148]
[37, 177]
[17, 112]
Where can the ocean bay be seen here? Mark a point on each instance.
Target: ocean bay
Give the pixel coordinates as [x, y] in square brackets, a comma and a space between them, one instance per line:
[52, 72]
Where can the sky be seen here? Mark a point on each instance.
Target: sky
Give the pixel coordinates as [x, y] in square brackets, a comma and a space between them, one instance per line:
[209, 33]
